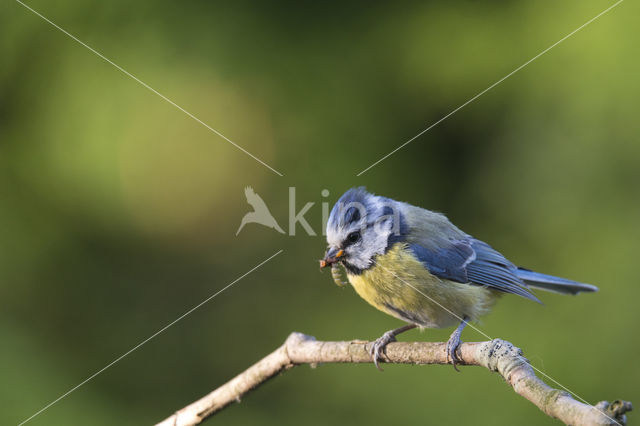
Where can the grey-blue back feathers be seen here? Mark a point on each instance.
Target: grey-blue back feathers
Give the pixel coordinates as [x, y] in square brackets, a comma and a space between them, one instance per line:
[475, 262]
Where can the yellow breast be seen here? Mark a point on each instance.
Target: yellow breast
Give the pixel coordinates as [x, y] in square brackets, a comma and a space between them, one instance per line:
[400, 285]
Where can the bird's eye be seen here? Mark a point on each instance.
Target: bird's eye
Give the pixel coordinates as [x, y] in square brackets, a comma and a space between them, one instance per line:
[353, 237]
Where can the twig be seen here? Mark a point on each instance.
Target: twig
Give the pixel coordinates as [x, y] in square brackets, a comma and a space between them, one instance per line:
[496, 355]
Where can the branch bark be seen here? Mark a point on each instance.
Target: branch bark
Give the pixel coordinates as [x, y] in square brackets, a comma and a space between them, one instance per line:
[496, 355]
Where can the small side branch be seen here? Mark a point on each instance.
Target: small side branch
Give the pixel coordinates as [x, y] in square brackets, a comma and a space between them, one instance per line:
[496, 355]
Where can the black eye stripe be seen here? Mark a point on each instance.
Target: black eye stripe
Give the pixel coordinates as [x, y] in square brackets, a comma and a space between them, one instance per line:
[352, 238]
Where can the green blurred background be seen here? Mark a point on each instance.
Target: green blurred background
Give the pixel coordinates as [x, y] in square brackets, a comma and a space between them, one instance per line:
[118, 212]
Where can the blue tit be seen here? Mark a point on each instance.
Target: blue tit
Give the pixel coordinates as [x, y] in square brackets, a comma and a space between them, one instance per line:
[417, 266]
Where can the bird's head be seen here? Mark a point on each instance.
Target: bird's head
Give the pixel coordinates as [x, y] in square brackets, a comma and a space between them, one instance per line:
[362, 226]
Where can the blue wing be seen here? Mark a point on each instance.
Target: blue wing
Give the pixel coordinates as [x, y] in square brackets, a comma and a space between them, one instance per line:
[475, 262]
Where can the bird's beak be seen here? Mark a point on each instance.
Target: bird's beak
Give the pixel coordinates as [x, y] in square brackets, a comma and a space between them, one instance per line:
[333, 255]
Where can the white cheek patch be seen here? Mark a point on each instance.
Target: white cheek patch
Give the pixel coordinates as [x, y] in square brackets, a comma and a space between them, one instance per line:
[373, 243]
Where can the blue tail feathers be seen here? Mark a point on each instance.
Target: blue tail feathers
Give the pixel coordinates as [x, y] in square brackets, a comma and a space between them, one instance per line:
[554, 284]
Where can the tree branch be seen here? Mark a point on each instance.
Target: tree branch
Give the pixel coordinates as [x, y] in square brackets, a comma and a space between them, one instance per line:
[496, 355]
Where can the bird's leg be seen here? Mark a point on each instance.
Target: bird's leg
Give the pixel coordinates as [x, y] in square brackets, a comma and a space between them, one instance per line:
[454, 342]
[378, 347]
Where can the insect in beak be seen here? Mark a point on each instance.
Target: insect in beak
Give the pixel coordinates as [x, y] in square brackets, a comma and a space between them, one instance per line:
[331, 258]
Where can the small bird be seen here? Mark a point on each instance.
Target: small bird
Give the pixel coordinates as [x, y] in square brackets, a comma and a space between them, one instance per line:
[415, 265]
[260, 213]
